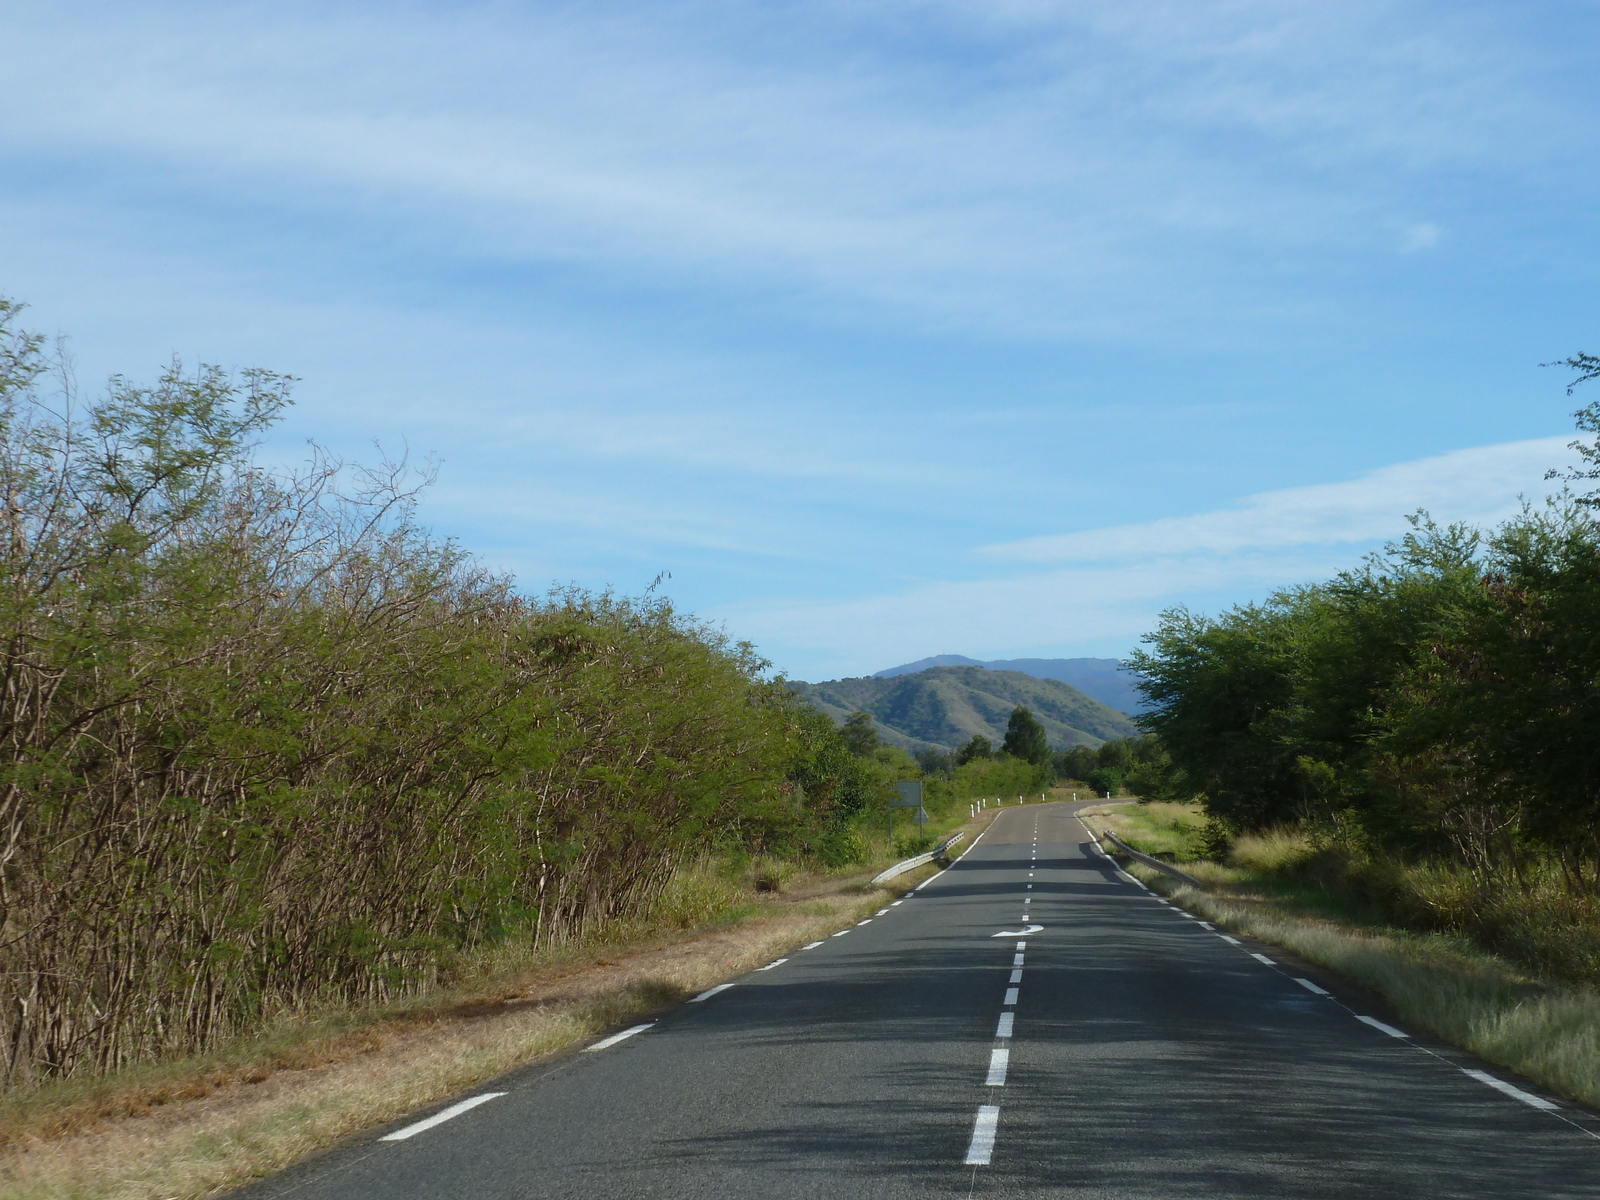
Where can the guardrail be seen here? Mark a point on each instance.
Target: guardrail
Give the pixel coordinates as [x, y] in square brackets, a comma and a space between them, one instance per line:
[911, 864]
[1147, 859]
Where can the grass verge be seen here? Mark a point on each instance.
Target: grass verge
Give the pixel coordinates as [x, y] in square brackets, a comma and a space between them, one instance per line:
[1445, 984]
[204, 1125]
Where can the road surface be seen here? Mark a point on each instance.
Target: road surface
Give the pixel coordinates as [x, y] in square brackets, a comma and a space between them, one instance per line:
[1029, 1023]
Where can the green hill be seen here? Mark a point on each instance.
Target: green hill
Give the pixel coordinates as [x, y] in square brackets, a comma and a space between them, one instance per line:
[942, 707]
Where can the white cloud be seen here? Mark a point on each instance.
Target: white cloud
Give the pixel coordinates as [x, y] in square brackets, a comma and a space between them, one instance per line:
[1105, 587]
[1478, 486]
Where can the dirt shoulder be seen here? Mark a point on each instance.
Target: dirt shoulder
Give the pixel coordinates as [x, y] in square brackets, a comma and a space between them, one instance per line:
[189, 1131]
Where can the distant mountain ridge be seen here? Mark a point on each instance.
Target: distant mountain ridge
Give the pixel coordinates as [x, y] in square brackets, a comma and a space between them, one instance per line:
[940, 708]
[1105, 679]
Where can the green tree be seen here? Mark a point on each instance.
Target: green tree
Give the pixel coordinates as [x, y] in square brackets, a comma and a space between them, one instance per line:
[860, 734]
[979, 747]
[1025, 738]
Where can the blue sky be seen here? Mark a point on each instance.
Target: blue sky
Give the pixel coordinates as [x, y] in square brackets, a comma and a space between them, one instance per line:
[889, 329]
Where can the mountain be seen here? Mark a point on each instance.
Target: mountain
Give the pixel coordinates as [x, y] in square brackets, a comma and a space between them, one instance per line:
[1106, 679]
[939, 708]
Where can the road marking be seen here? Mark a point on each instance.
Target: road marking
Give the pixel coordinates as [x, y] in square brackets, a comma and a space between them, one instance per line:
[931, 878]
[1022, 945]
[897, 902]
[1208, 925]
[868, 921]
[1016, 976]
[881, 911]
[1019, 932]
[439, 1118]
[1223, 936]
[1311, 987]
[811, 945]
[1380, 1026]
[1516, 1093]
[617, 1037]
[1016, 960]
[999, 1060]
[1003, 1030]
[1263, 958]
[1011, 996]
[841, 933]
[777, 962]
[710, 992]
[1030, 887]
[981, 1148]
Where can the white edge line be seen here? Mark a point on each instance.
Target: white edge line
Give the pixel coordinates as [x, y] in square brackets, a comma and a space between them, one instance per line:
[1516, 1093]
[617, 1037]
[1263, 958]
[439, 1118]
[1380, 1026]
[710, 992]
[1229, 940]
[981, 1148]
[777, 962]
[868, 921]
[1311, 987]
[841, 933]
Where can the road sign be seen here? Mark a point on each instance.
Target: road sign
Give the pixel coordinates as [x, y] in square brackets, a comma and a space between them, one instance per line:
[920, 816]
[910, 794]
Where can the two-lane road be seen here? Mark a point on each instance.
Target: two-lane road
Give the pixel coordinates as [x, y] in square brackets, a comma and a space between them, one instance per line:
[945, 1047]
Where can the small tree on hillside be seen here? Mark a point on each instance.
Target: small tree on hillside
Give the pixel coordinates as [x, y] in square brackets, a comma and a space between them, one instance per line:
[1025, 738]
[860, 734]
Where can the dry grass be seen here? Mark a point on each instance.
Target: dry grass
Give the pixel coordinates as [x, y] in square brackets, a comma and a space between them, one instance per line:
[194, 1128]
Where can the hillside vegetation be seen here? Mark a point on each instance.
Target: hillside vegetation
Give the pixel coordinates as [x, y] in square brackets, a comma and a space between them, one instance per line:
[1104, 679]
[942, 708]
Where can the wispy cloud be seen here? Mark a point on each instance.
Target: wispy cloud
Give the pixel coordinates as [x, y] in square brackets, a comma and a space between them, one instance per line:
[1477, 486]
[1103, 588]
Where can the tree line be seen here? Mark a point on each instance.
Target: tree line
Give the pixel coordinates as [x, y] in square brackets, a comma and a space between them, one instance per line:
[1441, 701]
[266, 743]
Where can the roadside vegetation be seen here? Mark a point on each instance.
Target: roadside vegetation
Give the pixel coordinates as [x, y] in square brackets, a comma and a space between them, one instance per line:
[1407, 754]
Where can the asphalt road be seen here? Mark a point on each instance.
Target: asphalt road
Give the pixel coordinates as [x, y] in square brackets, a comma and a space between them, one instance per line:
[1141, 1054]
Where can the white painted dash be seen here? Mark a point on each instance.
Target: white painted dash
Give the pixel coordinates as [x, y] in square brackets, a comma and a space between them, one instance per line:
[868, 921]
[1003, 1029]
[1229, 940]
[811, 945]
[1208, 925]
[1016, 976]
[999, 1060]
[881, 911]
[710, 992]
[841, 933]
[1380, 1026]
[439, 1118]
[1516, 1093]
[1011, 996]
[896, 903]
[1263, 958]
[1311, 987]
[777, 962]
[1016, 960]
[603, 1043]
[1022, 945]
[981, 1148]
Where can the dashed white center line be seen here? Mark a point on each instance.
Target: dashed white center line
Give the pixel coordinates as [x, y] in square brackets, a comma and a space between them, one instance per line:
[1016, 960]
[1381, 1027]
[1011, 995]
[999, 1060]
[981, 1148]
[1516, 1093]
[710, 992]
[455, 1110]
[1003, 1030]
[605, 1043]
[1016, 976]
